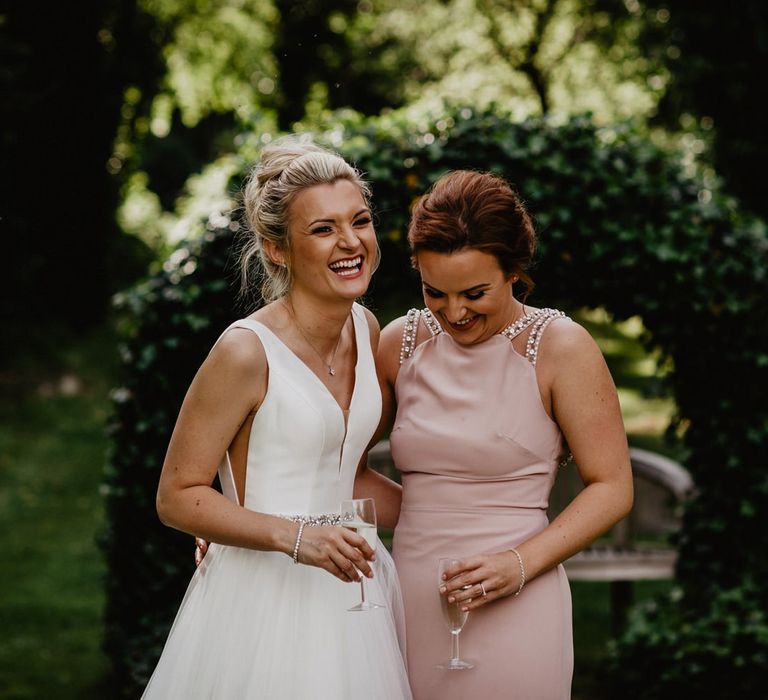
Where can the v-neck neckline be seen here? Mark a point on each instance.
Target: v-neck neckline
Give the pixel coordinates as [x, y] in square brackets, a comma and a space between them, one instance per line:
[345, 412]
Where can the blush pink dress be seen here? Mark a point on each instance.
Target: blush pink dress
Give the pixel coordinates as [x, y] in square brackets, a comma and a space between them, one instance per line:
[478, 456]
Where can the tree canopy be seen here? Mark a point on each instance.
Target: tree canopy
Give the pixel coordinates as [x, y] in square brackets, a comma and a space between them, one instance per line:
[137, 96]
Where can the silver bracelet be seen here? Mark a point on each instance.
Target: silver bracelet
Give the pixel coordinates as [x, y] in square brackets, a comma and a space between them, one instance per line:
[522, 571]
[298, 542]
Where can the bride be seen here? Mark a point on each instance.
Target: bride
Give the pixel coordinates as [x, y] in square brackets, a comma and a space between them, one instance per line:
[284, 407]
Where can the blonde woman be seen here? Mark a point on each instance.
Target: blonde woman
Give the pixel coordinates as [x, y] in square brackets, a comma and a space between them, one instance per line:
[284, 407]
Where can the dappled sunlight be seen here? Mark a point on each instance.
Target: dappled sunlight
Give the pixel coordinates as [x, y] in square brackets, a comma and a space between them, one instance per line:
[636, 371]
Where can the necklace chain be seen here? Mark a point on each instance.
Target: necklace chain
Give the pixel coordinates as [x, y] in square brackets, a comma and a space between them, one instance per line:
[329, 365]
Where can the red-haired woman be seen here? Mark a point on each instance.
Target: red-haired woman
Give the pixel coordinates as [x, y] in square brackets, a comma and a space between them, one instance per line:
[487, 392]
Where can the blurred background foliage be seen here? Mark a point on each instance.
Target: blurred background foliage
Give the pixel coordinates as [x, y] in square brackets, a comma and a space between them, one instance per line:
[141, 95]
[126, 126]
[626, 226]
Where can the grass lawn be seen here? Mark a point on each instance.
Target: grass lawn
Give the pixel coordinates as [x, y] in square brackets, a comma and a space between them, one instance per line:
[52, 451]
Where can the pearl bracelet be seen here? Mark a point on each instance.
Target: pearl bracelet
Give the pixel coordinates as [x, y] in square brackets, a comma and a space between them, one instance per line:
[522, 571]
[298, 542]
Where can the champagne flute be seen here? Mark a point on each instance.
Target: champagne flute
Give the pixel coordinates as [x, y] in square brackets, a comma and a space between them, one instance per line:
[359, 514]
[454, 617]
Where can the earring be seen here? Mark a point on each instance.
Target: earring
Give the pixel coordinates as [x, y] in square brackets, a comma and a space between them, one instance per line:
[514, 279]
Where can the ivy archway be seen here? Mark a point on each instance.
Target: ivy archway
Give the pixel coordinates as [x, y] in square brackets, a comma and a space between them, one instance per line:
[622, 226]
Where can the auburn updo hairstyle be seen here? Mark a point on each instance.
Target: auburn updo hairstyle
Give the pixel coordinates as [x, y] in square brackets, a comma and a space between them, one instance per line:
[479, 210]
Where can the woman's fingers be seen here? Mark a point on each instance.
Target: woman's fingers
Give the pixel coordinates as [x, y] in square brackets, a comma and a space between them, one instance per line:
[201, 549]
[343, 563]
[357, 560]
[463, 567]
[491, 577]
[461, 579]
[465, 587]
[347, 574]
[336, 550]
[477, 602]
[360, 543]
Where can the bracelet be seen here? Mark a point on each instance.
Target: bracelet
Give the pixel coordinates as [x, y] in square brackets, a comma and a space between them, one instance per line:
[522, 571]
[298, 542]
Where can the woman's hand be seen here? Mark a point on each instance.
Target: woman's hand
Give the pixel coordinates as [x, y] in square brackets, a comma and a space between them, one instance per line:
[338, 550]
[335, 549]
[201, 549]
[481, 579]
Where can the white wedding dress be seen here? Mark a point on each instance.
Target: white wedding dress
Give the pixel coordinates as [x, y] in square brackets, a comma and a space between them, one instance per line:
[255, 625]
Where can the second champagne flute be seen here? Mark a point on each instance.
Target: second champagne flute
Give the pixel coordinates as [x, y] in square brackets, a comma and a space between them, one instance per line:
[359, 514]
[454, 617]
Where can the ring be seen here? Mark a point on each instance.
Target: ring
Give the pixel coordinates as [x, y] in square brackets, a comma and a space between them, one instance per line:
[482, 588]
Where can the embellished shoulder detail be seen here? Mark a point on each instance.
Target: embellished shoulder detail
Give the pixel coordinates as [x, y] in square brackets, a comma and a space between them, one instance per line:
[411, 329]
[431, 322]
[408, 344]
[539, 320]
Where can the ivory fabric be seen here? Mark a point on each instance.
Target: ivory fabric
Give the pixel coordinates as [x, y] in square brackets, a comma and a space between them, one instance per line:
[255, 625]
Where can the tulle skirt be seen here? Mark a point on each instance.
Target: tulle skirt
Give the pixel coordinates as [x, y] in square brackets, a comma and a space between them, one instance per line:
[255, 625]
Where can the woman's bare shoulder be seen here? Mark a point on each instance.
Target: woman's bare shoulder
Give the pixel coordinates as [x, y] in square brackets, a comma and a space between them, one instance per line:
[392, 336]
[569, 352]
[565, 336]
[239, 353]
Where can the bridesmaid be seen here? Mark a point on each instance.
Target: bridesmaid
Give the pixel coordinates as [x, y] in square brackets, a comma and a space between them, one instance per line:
[488, 391]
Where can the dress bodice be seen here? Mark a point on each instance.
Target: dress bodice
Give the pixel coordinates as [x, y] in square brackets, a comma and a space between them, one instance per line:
[473, 415]
[302, 456]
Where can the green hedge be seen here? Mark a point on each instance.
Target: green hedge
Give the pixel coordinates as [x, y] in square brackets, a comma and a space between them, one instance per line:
[621, 226]
[170, 322]
[685, 649]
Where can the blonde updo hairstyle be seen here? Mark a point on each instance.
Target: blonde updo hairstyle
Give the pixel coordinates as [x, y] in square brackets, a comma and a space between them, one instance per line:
[285, 168]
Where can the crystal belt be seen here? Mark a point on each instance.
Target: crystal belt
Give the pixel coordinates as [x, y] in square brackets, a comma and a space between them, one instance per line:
[321, 519]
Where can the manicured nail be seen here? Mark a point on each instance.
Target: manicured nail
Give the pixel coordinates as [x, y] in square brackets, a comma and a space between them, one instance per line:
[451, 599]
[464, 609]
[443, 589]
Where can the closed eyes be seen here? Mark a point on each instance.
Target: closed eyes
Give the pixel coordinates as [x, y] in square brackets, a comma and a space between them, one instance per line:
[435, 294]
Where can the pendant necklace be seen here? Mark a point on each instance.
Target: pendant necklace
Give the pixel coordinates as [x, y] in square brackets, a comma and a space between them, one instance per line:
[329, 365]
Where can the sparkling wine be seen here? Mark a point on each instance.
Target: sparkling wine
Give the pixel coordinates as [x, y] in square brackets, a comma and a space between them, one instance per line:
[365, 530]
[454, 616]
[359, 514]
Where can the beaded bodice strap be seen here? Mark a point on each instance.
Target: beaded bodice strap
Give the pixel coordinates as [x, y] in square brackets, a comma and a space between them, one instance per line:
[408, 344]
[538, 321]
[411, 329]
[431, 322]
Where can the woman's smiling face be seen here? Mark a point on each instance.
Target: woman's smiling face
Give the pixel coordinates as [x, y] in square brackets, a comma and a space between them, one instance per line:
[468, 293]
[333, 243]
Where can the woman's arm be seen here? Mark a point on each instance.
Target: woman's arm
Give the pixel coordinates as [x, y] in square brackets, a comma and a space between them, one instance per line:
[585, 405]
[386, 493]
[369, 483]
[228, 387]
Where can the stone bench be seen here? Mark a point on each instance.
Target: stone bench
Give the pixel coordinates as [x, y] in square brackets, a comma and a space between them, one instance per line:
[636, 548]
